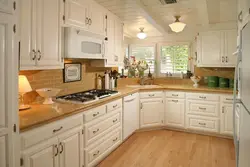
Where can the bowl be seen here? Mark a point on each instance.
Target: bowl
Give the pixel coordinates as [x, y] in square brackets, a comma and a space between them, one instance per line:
[48, 93]
[196, 80]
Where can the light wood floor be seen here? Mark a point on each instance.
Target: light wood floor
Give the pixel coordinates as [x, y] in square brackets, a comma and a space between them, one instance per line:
[164, 148]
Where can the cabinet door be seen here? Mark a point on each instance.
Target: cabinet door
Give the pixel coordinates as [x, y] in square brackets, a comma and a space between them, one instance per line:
[27, 34]
[111, 39]
[71, 148]
[227, 119]
[152, 111]
[210, 49]
[118, 41]
[230, 47]
[76, 13]
[48, 34]
[175, 113]
[6, 6]
[45, 154]
[97, 17]
[8, 91]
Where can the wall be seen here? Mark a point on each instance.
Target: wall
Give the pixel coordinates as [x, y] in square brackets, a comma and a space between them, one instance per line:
[54, 79]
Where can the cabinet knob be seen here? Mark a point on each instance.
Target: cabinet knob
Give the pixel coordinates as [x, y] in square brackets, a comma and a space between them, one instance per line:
[226, 59]
[34, 54]
[87, 20]
[223, 59]
[39, 55]
[57, 150]
[61, 145]
[94, 115]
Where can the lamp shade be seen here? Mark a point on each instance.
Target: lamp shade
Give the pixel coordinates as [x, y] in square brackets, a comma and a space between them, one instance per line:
[177, 26]
[141, 34]
[24, 85]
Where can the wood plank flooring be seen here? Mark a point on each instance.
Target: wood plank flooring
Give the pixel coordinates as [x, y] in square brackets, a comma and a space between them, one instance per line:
[164, 148]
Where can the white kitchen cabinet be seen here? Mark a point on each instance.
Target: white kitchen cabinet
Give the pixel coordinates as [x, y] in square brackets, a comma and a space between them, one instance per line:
[118, 42]
[8, 90]
[41, 35]
[7, 6]
[175, 113]
[86, 15]
[130, 115]
[65, 150]
[243, 10]
[151, 112]
[226, 126]
[215, 48]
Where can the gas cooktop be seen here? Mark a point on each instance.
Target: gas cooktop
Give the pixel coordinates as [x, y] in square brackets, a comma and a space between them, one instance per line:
[87, 96]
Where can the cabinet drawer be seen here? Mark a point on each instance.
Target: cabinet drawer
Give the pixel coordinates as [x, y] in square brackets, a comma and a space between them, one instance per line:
[145, 95]
[175, 95]
[40, 134]
[114, 105]
[201, 96]
[227, 99]
[203, 123]
[203, 108]
[98, 130]
[94, 113]
[95, 153]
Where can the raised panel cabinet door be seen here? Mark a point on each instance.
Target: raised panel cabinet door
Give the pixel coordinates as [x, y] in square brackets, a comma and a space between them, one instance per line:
[41, 155]
[8, 86]
[175, 113]
[76, 13]
[111, 39]
[97, 16]
[210, 49]
[6, 6]
[71, 148]
[152, 112]
[118, 41]
[230, 47]
[48, 34]
[227, 119]
[28, 48]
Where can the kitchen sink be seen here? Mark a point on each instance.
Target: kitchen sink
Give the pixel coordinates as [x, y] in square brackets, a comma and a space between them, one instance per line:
[142, 86]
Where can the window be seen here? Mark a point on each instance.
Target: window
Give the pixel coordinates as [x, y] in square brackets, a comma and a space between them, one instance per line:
[174, 59]
[146, 53]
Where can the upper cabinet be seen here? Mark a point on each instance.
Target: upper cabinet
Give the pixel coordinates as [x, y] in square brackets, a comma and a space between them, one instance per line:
[41, 35]
[216, 48]
[7, 6]
[86, 15]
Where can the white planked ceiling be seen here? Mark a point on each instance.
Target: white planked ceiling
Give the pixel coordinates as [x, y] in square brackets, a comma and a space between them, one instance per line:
[155, 17]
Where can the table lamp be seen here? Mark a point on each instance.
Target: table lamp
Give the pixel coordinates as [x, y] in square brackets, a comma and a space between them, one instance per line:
[24, 87]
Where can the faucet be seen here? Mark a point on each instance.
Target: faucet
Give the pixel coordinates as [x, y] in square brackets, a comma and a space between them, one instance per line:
[144, 80]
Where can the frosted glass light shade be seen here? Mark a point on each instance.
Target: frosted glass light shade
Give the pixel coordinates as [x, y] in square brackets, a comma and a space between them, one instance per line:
[177, 26]
[23, 84]
[141, 35]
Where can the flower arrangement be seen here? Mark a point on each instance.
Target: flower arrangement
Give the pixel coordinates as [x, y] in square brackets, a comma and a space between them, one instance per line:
[132, 65]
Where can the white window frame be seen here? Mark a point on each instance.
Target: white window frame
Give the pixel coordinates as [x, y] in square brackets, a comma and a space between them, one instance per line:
[146, 45]
[158, 58]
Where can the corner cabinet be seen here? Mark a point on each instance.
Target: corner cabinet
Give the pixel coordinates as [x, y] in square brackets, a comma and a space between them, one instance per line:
[41, 35]
[216, 48]
[86, 15]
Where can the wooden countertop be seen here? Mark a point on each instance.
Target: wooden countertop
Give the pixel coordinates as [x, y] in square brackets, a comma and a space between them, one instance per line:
[40, 114]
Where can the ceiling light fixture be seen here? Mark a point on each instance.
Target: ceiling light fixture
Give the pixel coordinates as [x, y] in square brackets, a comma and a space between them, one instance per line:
[177, 26]
[141, 34]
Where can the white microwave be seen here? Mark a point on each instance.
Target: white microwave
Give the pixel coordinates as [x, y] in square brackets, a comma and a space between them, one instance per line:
[81, 44]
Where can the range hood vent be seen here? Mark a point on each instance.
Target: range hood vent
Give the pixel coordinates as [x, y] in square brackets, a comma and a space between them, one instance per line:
[164, 2]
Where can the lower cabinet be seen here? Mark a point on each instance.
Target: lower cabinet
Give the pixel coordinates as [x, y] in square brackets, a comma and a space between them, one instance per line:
[226, 118]
[175, 113]
[65, 150]
[152, 112]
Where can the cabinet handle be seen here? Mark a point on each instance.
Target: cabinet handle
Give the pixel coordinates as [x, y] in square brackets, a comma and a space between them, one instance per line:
[203, 124]
[90, 21]
[96, 153]
[95, 131]
[141, 106]
[57, 150]
[61, 145]
[94, 115]
[176, 101]
[86, 21]
[201, 108]
[152, 95]
[202, 97]
[223, 59]
[223, 110]
[229, 99]
[114, 120]
[115, 139]
[176, 95]
[40, 55]
[226, 59]
[115, 106]
[56, 130]
[34, 54]
[240, 16]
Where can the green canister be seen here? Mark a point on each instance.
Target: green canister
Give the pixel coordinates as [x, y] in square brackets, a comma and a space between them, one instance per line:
[213, 81]
[223, 82]
[231, 83]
